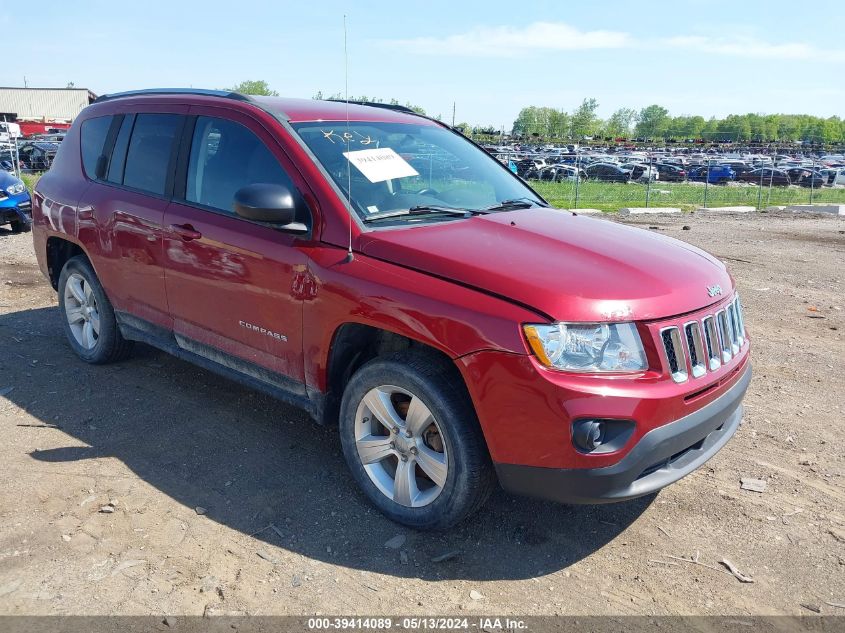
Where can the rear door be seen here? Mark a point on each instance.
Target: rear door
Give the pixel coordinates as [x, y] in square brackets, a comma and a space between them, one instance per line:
[133, 183]
[234, 286]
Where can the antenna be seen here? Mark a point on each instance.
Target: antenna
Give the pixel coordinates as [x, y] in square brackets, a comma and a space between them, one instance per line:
[348, 136]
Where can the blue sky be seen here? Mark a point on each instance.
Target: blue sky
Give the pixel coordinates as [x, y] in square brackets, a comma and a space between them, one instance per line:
[490, 58]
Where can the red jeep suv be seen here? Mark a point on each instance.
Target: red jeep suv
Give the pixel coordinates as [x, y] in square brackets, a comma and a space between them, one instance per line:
[385, 273]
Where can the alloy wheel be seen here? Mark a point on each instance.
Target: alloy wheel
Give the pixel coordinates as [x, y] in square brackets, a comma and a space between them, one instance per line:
[400, 446]
[81, 311]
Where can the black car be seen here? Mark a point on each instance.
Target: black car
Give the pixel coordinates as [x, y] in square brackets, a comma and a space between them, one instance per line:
[607, 173]
[767, 176]
[671, 173]
[37, 156]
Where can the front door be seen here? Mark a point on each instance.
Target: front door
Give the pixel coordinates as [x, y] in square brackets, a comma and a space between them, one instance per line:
[230, 282]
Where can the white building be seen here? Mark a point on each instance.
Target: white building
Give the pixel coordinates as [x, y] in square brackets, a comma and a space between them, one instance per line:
[43, 104]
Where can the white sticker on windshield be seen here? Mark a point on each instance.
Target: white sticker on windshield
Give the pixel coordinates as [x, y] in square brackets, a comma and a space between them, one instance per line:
[380, 164]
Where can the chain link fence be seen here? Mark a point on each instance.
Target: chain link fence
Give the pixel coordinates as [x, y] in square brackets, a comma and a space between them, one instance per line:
[583, 177]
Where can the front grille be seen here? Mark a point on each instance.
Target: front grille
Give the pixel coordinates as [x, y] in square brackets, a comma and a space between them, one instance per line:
[706, 344]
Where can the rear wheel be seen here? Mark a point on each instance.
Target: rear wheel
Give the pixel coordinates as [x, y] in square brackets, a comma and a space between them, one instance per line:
[88, 316]
[412, 441]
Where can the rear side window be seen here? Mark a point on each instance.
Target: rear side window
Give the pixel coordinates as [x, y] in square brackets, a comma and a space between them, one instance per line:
[150, 151]
[92, 139]
[226, 156]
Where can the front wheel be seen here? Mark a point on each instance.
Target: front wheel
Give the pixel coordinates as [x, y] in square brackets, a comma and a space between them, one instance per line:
[19, 226]
[412, 441]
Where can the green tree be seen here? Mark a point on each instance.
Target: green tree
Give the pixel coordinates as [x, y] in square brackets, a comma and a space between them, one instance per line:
[365, 99]
[621, 122]
[585, 122]
[653, 122]
[254, 87]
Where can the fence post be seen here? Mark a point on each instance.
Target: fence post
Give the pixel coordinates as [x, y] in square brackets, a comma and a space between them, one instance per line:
[706, 182]
[771, 180]
[577, 177]
[648, 183]
[760, 191]
[812, 180]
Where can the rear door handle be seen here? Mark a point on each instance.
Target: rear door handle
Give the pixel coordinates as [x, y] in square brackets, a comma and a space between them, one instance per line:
[185, 231]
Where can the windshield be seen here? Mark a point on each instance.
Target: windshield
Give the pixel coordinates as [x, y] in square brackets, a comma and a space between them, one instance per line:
[402, 170]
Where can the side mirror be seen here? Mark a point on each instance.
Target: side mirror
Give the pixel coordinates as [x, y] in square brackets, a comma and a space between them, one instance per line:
[270, 204]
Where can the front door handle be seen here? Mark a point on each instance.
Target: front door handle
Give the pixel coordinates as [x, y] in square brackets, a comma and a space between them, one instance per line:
[185, 231]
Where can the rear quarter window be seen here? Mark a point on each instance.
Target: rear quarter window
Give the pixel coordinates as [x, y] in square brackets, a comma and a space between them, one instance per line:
[92, 139]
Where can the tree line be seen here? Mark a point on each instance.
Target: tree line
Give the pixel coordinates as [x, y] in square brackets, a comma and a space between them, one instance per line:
[262, 88]
[652, 122]
[655, 122]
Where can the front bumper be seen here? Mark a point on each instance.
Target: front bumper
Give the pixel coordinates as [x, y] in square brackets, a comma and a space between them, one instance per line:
[16, 209]
[661, 457]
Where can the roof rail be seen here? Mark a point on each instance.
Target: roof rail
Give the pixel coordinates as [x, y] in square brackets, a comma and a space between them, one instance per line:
[376, 104]
[226, 94]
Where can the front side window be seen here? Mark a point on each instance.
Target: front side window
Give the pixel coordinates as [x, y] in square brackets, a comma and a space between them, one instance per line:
[386, 167]
[151, 151]
[226, 156]
[92, 138]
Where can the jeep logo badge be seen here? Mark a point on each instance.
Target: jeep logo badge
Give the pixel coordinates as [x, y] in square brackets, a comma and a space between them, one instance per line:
[712, 291]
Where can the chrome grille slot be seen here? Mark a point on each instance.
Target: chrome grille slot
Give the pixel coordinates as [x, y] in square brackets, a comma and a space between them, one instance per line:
[711, 341]
[674, 349]
[724, 335]
[740, 321]
[730, 311]
[692, 333]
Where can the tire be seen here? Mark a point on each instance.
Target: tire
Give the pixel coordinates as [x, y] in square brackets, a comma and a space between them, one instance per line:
[19, 226]
[85, 303]
[453, 438]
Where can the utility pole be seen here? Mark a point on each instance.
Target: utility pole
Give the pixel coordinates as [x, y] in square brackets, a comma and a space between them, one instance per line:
[24, 81]
[453, 114]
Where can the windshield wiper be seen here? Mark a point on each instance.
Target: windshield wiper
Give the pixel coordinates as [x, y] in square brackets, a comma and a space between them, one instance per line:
[515, 203]
[425, 209]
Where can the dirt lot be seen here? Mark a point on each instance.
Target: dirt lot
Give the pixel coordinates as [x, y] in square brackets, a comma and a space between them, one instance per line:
[197, 468]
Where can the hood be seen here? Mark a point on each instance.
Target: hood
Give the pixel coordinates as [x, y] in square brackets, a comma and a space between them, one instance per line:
[7, 179]
[567, 267]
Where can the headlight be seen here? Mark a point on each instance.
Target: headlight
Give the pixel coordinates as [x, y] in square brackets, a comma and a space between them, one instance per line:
[587, 347]
[16, 188]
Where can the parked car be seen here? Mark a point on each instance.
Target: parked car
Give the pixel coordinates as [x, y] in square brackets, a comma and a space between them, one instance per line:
[607, 172]
[526, 165]
[554, 173]
[806, 177]
[55, 137]
[766, 176]
[714, 174]
[641, 172]
[456, 329]
[836, 176]
[15, 203]
[671, 173]
[37, 155]
[739, 167]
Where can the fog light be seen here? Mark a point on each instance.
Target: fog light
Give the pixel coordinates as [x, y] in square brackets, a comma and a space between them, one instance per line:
[587, 434]
[603, 435]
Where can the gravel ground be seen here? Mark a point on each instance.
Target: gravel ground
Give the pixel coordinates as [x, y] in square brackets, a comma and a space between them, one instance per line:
[154, 487]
